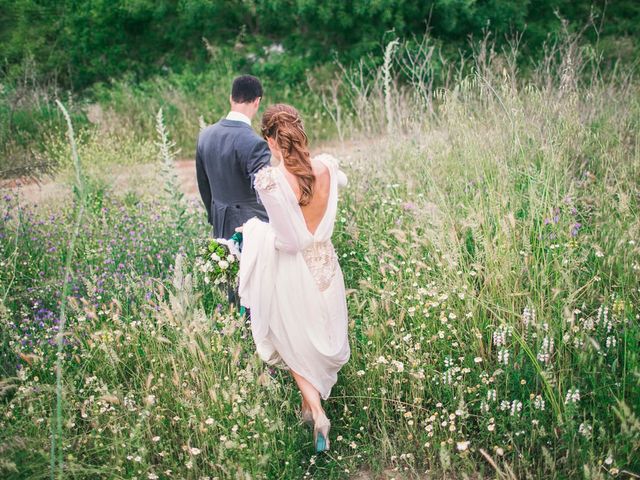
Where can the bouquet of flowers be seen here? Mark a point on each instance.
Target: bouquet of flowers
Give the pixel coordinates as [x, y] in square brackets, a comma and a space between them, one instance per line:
[218, 260]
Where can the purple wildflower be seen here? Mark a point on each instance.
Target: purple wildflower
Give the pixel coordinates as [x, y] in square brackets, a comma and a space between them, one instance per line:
[575, 229]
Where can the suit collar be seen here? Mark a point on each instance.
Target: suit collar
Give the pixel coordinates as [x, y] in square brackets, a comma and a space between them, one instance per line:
[234, 123]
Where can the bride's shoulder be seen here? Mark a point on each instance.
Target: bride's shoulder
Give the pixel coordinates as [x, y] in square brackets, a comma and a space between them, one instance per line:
[265, 179]
[327, 159]
[332, 164]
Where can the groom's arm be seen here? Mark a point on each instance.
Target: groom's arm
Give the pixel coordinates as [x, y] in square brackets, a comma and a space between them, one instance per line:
[257, 157]
[203, 183]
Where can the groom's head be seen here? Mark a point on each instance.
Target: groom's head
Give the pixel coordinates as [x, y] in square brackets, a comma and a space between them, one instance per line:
[246, 93]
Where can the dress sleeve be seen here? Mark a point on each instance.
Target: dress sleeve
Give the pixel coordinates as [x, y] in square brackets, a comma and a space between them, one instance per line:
[342, 178]
[283, 217]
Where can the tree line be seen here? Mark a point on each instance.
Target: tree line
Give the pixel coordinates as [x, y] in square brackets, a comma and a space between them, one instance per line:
[76, 43]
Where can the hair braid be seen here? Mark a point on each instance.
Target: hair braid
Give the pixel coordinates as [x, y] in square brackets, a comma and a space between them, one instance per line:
[282, 123]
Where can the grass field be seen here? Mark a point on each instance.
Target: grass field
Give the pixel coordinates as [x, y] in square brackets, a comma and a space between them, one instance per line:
[490, 242]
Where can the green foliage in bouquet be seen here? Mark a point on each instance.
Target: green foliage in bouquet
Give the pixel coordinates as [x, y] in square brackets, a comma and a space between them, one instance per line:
[217, 263]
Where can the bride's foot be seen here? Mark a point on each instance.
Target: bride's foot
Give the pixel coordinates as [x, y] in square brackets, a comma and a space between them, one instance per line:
[321, 428]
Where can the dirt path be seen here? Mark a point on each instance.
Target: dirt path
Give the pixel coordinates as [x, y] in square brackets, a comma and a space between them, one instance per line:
[141, 178]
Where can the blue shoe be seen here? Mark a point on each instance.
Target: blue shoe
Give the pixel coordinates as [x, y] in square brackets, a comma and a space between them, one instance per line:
[321, 433]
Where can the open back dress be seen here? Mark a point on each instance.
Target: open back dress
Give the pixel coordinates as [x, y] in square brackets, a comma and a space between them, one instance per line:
[292, 283]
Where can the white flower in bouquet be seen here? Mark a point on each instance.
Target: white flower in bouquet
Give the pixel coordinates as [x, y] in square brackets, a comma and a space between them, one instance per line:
[231, 245]
[217, 262]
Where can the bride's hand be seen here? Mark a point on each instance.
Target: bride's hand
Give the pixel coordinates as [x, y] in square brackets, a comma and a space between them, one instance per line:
[240, 228]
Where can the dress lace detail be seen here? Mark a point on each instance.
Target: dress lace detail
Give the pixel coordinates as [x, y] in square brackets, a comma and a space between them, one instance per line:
[265, 179]
[322, 261]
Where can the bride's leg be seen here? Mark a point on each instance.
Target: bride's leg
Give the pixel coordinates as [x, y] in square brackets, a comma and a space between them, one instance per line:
[310, 395]
[321, 423]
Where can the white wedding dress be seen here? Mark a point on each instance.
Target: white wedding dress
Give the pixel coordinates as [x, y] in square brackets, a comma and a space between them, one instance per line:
[291, 281]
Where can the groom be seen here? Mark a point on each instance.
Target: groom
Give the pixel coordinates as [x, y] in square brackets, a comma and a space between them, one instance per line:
[229, 153]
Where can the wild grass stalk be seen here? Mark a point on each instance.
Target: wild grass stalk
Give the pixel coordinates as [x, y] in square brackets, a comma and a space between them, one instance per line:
[57, 458]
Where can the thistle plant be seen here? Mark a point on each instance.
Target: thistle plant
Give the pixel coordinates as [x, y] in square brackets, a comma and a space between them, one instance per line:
[167, 154]
[387, 79]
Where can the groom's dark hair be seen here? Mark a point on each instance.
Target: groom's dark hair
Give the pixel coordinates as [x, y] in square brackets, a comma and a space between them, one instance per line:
[246, 89]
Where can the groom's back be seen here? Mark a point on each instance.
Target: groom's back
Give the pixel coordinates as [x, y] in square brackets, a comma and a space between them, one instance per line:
[224, 149]
[228, 154]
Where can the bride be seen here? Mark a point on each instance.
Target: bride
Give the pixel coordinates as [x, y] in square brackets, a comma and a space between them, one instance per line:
[289, 273]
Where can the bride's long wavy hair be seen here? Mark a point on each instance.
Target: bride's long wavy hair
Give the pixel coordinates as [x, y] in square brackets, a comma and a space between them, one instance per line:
[283, 124]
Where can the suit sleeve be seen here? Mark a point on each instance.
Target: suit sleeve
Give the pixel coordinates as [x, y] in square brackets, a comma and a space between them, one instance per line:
[257, 158]
[203, 183]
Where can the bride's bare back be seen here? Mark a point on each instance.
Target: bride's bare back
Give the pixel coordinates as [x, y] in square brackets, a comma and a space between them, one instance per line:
[313, 213]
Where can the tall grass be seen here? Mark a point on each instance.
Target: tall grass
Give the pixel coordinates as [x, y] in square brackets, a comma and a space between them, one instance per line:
[490, 250]
[80, 190]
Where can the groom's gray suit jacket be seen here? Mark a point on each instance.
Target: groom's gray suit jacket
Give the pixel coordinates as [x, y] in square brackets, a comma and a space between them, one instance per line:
[228, 155]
